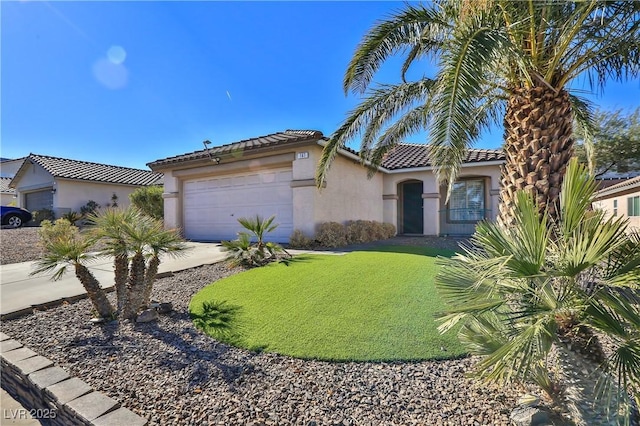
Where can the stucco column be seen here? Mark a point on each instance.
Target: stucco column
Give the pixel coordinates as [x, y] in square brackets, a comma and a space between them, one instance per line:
[494, 195]
[390, 209]
[304, 195]
[431, 205]
[172, 205]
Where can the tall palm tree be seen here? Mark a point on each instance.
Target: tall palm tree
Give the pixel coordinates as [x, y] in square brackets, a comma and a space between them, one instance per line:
[496, 60]
[535, 308]
[64, 246]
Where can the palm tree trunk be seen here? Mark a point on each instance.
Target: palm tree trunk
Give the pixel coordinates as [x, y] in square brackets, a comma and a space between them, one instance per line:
[121, 264]
[538, 147]
[94, 291]
[149, 279]
[135, 287]
[580, 379]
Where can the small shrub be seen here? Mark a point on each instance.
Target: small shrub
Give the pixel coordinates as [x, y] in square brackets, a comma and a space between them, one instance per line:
[42, 215]
[50, 232]
[72, 217]
[358, 231]
[149, 200]
[243, 252]
[331, 234]
[299, 240]
[89, 209]
[389, 230]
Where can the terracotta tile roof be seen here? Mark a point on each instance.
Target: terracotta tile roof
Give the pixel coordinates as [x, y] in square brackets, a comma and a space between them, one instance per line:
[83, 170]
[406, 155]
[4, 186]
[619, 187]
[274, 139]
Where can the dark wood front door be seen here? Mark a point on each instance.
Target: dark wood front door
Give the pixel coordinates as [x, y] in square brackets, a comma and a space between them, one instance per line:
[412, 218]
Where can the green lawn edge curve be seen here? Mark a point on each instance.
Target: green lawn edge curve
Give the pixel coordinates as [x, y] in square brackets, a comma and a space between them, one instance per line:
[373, 305]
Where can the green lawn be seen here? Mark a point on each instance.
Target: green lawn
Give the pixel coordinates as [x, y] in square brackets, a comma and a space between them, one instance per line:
[366, 305]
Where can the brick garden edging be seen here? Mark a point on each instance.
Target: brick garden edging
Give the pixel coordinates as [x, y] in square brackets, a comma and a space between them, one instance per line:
[54, 396]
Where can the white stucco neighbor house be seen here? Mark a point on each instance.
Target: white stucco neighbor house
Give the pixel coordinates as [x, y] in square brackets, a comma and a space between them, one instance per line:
[622, 199]
[64, 185]
[206, 191]
[8, 169]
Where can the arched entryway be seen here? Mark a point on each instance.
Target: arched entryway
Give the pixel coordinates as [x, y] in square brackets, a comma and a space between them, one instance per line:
[410, 206]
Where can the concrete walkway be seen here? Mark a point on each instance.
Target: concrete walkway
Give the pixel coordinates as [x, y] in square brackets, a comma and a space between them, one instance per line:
[21, 293]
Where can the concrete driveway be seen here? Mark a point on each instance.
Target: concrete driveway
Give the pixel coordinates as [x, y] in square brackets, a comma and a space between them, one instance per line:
[21, 293]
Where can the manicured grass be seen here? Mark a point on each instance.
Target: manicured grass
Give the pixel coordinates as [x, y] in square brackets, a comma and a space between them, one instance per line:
[363, 306]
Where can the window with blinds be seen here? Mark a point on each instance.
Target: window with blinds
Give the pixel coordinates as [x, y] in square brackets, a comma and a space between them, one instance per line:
[467, 201]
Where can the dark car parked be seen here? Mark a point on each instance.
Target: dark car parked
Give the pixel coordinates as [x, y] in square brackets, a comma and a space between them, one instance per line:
[15, 217]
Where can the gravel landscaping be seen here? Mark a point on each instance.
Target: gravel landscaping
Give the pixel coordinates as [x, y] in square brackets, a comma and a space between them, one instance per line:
[170, 373]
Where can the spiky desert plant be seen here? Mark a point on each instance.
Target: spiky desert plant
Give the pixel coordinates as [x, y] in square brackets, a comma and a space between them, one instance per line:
[243, 252]
[64, 246]
[535, 307]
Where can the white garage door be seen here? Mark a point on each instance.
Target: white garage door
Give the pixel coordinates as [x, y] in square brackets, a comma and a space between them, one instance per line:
[212, 205]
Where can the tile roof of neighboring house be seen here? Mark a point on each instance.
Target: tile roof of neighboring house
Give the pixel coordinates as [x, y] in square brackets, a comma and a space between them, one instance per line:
[4, 186]
[619, 187]
[84, 170]
[274, 139]
[407, 155]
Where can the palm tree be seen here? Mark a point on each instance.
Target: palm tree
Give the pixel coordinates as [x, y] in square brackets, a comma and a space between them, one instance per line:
[64, 246]
[495, 59]
[536, 308]
[167, 242]
[109, 227]
[145, 238]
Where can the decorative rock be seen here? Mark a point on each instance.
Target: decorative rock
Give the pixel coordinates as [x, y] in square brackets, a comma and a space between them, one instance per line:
[96, 320]
[147, 315]
[165, 308]
[529, 416]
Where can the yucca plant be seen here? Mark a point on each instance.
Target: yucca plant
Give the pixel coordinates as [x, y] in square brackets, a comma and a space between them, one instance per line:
[536, 299]
[65, 246]
[243, 251]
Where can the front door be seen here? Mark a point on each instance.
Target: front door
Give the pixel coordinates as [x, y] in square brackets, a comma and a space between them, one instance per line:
[412, 217]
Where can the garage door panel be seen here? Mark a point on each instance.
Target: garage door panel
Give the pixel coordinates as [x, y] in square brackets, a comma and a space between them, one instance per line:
[213, 205]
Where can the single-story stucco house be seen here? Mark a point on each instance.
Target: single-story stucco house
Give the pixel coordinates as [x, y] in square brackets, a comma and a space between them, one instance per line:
[8, 169]
[63, 185]
[622, 199]
[206, 191]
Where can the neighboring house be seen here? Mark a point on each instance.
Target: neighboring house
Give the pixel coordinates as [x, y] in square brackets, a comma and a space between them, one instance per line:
[65, 185]
[8, 169]
[621, 199]
[206, 191]
[7, 195]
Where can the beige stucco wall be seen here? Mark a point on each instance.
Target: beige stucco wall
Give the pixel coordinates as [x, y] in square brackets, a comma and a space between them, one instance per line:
[6, 199]
[348, 194]
[434, 195]
[71, 195]
[623, 199]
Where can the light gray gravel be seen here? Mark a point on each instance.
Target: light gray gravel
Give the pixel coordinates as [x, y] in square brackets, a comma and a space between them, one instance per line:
[19, 245]
[172, 374]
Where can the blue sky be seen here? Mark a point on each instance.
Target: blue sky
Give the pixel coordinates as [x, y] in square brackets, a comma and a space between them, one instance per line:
[127, 83]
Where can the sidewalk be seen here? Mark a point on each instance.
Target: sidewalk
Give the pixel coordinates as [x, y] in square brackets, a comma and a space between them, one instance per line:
[21, 293]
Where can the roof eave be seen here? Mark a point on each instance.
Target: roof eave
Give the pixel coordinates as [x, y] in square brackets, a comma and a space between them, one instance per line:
[463, 165]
